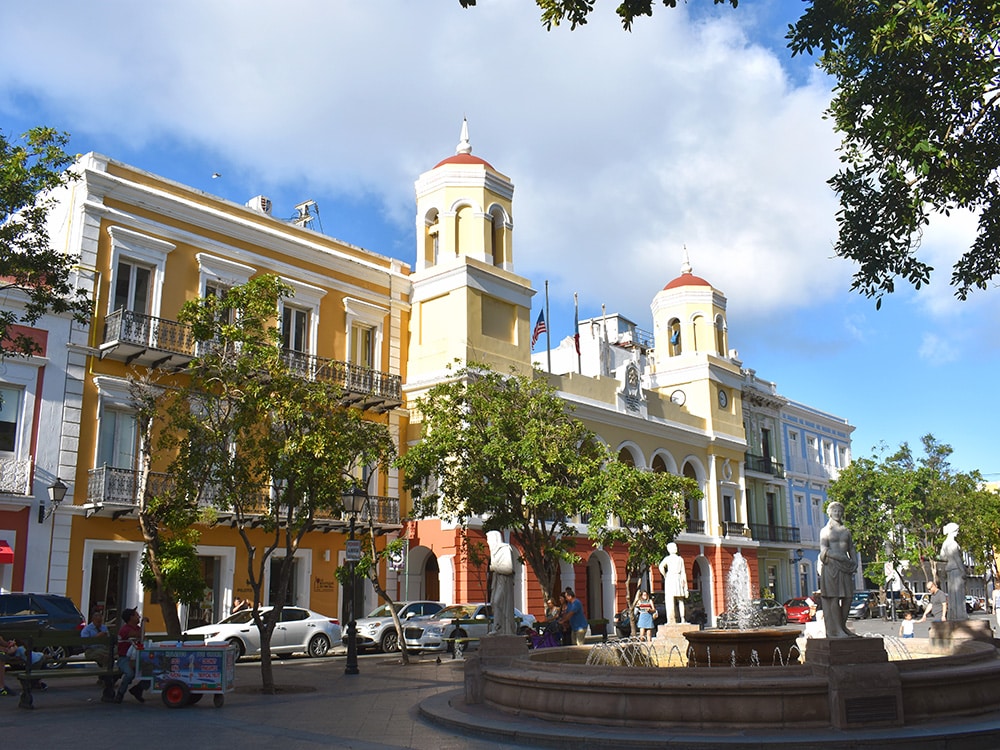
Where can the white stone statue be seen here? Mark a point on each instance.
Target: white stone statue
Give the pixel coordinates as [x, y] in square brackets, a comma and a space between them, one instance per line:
[675, 584]
[838, 560]
[954, 565]
[502, 593]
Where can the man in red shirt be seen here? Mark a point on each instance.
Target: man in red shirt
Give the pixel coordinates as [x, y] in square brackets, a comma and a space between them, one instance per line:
[128, 635]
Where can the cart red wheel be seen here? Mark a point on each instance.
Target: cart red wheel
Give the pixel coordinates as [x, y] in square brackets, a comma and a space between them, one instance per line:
[218, 699]
[175, 694]
[194, 698]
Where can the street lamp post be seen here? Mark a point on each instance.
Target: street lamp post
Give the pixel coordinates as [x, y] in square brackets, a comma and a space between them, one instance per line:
[354, 501]
[57, 493]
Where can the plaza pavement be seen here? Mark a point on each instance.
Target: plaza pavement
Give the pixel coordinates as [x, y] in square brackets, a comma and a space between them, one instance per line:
[321, 707]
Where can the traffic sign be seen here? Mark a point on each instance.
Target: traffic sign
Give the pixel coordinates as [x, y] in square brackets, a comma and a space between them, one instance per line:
[353, 550]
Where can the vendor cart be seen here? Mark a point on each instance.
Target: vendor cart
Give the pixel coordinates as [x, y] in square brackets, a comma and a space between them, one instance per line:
[183, 672]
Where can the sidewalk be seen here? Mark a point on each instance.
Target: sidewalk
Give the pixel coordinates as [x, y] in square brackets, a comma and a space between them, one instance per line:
[322, 708]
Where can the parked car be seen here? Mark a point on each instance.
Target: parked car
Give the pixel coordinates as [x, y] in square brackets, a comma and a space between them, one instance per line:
[799, 610]
[430, 633]
[377, 630]
[298, 630]
[863, 605]
[972, 603]
[25, 611]
[766, 613]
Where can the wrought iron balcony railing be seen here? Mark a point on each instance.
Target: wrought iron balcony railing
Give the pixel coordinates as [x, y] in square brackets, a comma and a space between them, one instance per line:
[764, 465]
[15, 476]
[694, 526]
[118, 490]
[362, 386]
[734, 528]
[147, 340]
[767, 533]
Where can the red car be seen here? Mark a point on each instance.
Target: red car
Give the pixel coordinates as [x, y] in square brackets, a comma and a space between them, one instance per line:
[799, 610]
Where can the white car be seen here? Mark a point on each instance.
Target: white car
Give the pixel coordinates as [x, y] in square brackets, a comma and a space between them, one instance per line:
[299, 630]
[435, 633]
[377, 630]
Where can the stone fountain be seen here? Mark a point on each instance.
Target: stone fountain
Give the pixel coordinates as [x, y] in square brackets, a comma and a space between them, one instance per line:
[748, 644]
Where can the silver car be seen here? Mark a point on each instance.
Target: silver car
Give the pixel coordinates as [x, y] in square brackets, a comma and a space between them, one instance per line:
[298, 630]
[377, 630]
[437, 632]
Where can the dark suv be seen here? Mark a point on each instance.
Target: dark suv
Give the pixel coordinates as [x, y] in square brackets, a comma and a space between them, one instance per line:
[20, 611]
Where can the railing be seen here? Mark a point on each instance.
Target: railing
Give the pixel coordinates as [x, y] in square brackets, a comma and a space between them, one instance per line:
[768, 533]
[764, 465]
[352, 378]
[694, 526]
[15, 476]
[127, 327]
[120, 487]
[734, 528]
[110, 486]
[812, 467]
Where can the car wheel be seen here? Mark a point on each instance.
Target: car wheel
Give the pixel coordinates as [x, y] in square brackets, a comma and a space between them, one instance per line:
[390, 641]
[55, 657]
[319, 645]
[240, 648]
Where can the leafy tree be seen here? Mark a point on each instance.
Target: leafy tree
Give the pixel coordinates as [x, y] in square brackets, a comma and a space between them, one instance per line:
[166, 514]
[263, 442]
[896, 506]
[916, 94]
[504, 449]
[34, 276]
[643, 509]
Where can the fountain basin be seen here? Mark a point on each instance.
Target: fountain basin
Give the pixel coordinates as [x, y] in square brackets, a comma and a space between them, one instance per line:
[743, 648]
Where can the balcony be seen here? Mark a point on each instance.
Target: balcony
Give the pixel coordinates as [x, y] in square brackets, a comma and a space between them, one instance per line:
[694, 526]
[735, 528]
[156, 342]
[768, 533]
[813, 468]
[115, 492]
[15, 476]
[145, 340]
[363, 387]
[764, 465]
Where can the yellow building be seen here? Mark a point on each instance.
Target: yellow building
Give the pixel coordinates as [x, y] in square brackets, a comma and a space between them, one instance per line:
[146, 246]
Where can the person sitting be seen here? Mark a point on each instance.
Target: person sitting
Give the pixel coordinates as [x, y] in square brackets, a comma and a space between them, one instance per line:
[97, 652]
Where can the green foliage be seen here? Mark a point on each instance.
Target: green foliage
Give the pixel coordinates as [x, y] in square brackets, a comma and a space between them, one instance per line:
[503, 448]
[576, 12]
[916, 102]
[38, 275]
[896, 506]
[643, 509]
[179, 567]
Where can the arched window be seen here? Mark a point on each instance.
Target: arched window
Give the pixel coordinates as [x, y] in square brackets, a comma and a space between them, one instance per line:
[431, 238]
[626, 457]
[674, 327]
[720, 335]
[659, 465]
[497, 236]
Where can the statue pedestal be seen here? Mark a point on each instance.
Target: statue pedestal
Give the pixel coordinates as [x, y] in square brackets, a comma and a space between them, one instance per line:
[948, 632]
[673, 631]
[494, 650]
[865, 689]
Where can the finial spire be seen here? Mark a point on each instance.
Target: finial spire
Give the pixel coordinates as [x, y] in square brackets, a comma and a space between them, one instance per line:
[464, 147]
[686, 265]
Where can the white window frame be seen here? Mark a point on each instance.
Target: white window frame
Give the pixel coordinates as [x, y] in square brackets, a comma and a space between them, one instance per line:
[367, 314]
[112, 393]
[305, 297]
[129, 245]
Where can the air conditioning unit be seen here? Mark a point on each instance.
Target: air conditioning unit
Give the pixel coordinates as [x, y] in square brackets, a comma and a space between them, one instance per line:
[260, 203]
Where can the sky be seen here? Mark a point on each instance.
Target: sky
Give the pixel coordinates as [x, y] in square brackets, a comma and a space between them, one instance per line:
[695, 132]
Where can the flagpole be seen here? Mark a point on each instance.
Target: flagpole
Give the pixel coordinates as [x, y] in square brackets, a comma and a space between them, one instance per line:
[548, 335]
[576, 332]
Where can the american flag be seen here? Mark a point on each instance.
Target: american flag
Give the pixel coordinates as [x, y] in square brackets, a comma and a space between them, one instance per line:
[539, 328]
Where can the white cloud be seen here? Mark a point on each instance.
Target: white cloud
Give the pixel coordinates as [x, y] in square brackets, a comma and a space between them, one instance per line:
[937, 350]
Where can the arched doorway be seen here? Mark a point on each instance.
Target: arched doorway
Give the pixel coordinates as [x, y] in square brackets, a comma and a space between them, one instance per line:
[701, 581]
[600, 586]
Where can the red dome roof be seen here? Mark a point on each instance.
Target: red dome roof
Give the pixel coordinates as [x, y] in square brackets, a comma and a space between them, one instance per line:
[687, 279]
[464, 159]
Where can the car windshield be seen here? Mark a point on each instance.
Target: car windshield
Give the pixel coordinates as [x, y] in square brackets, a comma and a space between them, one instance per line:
[382, 611]
[239, 618]
[456, 612]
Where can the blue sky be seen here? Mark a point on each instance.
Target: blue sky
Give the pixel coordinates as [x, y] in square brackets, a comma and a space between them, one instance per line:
[697, 130]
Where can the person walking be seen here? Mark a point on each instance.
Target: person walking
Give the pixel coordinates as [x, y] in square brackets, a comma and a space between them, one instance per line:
[575, 618]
